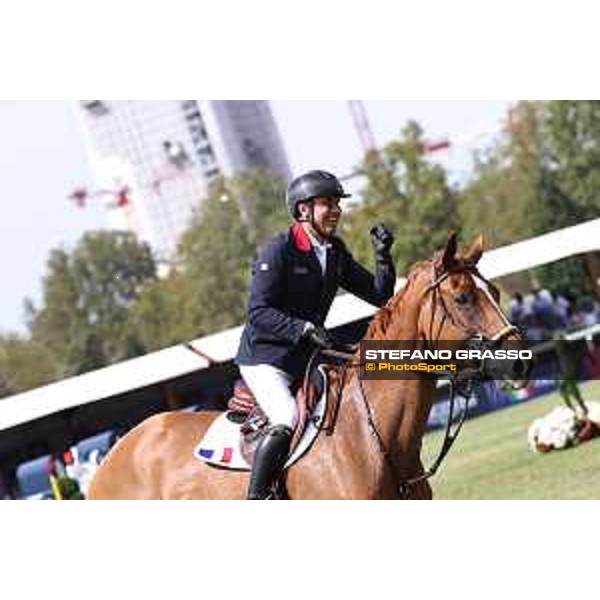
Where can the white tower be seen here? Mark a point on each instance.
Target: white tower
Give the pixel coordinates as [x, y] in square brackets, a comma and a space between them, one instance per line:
[166, 153]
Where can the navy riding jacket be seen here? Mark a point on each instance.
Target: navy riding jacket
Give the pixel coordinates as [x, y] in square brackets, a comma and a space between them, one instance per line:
[289, 289]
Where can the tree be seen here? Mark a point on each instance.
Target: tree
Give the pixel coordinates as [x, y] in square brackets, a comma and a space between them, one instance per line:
[261, 200]
[572, 153]
[541, 175]
[218, 249]
[572, 131]
[24, 364]
[86, 298]
[508, 188]
[161, 316]
[410, 194]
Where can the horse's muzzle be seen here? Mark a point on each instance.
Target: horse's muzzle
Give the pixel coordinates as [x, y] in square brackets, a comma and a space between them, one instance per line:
[512, 371]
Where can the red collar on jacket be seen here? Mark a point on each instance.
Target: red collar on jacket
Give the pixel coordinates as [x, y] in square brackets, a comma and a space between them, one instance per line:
[301, 239]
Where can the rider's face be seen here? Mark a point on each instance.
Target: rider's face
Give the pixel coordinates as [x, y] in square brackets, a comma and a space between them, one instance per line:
[326, 215]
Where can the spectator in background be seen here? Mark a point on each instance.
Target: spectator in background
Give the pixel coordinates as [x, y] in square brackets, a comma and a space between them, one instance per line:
[530, 319]
[517, 309]
[543, 311]
[563, 309]
[589, 310]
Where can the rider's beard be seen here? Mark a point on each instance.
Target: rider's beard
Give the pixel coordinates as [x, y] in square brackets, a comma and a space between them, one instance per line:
[324, 230]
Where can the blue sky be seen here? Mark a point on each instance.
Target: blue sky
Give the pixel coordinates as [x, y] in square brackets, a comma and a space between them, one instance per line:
[42, 159]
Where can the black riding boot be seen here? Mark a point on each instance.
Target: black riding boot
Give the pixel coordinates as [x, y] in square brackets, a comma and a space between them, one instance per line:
[269, 460]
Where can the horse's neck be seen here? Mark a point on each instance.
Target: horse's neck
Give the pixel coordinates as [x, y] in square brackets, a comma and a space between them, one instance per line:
[404, 405]
[403, 324]
[399, 409]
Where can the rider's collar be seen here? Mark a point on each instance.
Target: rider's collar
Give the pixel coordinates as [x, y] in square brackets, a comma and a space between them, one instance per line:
[304, 241]
[301, 239]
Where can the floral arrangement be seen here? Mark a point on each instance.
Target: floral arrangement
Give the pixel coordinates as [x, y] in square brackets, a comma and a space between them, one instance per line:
[562, 428]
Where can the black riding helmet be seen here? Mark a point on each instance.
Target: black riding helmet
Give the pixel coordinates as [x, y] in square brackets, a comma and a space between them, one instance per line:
[314, 184]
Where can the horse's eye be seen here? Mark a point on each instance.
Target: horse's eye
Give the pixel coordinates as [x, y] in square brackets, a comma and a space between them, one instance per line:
[464, 298]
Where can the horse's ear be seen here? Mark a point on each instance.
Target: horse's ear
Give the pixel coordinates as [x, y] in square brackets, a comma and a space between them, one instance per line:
[475, 251]
[449, 257]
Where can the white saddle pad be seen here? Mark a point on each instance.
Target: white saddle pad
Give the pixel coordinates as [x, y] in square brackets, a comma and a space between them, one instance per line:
[221, 443]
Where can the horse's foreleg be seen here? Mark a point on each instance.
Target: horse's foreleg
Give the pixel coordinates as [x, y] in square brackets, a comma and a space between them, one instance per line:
[421, 490]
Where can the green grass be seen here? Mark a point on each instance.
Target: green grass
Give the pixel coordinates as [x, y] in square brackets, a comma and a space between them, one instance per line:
[492, 460]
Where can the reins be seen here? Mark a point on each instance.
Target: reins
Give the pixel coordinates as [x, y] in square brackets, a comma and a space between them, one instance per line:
[449, 438]
[459, 385]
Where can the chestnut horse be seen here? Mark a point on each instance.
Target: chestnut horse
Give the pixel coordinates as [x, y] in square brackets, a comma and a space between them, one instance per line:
[376, 443]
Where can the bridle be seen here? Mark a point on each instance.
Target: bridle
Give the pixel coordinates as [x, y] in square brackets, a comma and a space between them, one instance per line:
[462, 384]
[434, 288]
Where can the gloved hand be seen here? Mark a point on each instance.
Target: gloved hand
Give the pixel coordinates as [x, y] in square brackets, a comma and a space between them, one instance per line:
[382, 239]
[318, 335]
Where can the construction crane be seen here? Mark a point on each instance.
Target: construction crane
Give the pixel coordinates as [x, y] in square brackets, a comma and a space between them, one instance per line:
[118, 199]
[367, 139]
[363, 129]
[362, 125]
[81, 196]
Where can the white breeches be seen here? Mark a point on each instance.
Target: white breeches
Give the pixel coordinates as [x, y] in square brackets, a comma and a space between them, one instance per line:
[271, 388]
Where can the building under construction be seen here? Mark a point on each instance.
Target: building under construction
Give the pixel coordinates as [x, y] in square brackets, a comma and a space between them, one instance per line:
[154, 160]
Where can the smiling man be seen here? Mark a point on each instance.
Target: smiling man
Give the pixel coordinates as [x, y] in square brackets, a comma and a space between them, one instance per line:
[294, 282]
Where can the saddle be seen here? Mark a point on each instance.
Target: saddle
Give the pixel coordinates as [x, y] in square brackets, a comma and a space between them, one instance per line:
[243, 409]
[231, 440]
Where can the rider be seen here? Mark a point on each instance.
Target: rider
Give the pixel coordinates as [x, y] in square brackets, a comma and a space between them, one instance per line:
[294, 282]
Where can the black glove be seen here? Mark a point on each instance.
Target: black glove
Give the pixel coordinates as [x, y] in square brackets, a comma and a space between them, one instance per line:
[319, 337]
[382, 239]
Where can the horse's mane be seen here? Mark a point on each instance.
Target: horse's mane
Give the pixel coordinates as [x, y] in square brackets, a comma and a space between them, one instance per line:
[381, 320]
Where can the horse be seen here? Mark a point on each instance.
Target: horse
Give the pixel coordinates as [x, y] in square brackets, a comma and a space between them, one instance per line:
[375, 444]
